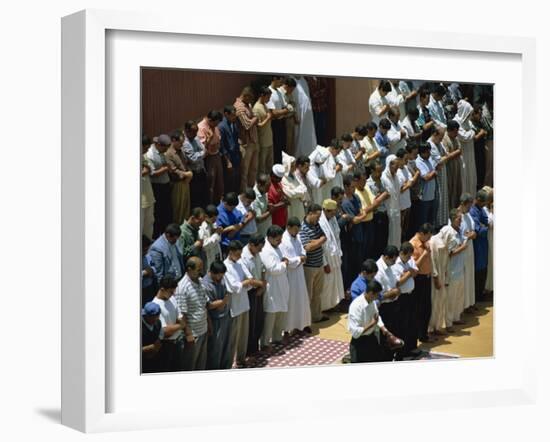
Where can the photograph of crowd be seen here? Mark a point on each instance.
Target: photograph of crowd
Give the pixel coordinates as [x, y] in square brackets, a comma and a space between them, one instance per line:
[292, 220]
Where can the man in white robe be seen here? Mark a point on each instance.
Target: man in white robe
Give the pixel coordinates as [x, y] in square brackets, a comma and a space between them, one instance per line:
[316, 174]
[294, 189]
[333, 169]
[439, 246]
[333, 287]
[466, 135]
[390, 180]
[278, 292]
[298, 316]
[305, 138]
[455, 290]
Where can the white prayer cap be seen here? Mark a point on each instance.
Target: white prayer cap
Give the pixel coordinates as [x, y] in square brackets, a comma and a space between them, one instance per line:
[278, 170]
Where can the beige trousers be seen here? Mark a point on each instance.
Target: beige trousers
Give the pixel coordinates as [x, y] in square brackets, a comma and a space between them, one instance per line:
[265, 159]
[147, 221]
[273, 328]
[249, 165]
[181, 202]
[239, 337]
[455, 300]
[315, 277]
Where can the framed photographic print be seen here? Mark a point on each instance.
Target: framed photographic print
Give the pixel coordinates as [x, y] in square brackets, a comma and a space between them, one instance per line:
[127, 75]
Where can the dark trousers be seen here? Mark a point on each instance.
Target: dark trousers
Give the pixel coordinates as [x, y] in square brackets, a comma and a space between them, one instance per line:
[352, 259]
[370, 235]
[163, 207]
[413, 224]
[367, 349]
[255, 321]
[426, 212]
[480, 281]
[423, 299]
[171, 354]
[480, 164]
[198, 189]
[278, 127]
[214, 178]
[148, 293]
[320, 119]
[232, 177]
[219, 344]
[381, 232]
[407, 321]
[151, 364]
[389, 311]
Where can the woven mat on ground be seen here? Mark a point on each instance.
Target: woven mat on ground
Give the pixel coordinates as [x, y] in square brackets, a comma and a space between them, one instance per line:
[302, 351]
[428, 355]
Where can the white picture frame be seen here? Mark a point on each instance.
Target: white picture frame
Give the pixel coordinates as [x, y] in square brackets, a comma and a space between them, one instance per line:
[87, 212]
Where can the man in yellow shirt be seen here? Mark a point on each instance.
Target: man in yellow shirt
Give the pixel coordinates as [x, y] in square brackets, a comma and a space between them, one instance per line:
[368, 206]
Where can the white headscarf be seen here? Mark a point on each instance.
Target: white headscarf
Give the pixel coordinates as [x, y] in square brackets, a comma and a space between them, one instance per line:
[288, 160]
[464, 110]
[319, 155]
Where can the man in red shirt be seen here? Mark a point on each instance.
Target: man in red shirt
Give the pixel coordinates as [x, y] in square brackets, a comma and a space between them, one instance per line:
[276, 198]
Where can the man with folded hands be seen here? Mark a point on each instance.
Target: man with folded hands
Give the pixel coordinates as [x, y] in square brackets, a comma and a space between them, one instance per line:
[368, 330]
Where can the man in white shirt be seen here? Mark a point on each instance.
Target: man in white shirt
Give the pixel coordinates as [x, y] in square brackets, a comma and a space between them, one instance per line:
[238, 281]
[278, 107]
[210, 235]
[367, 328]
[390, 286]
[379, 104]
[405, 270]
[406, 181]
[245, 207]
[397, 135]
[173, 326]
[160, 180]
[253, 262]
[437, 111]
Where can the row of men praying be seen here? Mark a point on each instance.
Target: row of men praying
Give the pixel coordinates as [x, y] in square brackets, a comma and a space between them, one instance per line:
[300, 272]
[228, 151]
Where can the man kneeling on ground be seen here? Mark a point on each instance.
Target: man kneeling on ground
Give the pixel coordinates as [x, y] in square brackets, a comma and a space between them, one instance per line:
[368, 330]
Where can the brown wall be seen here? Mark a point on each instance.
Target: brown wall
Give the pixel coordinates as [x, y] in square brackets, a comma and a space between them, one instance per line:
[352, 102]
[171, 97]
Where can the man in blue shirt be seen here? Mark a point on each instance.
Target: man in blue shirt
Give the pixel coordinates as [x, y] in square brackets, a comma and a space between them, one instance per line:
[369, 269]
[230, 219]
[219, 341]
[230, 149]
[381, 138]
[481, 242]
[428, 174]
[148, 275]
[353, 234]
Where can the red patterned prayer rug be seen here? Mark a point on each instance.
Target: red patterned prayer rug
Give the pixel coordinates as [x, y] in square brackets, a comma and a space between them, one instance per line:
[302, 351]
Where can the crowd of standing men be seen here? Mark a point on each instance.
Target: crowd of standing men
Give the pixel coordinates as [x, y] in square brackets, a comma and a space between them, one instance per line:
[251, 230]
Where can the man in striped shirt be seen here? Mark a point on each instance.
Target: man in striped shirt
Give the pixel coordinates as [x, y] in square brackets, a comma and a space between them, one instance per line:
[313, 238]
[192, 300]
